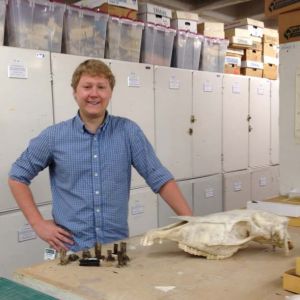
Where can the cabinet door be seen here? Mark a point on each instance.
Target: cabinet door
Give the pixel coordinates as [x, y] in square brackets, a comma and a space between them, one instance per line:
[274, 160]
[236, 190]
[142, 214]
[259, 111]
[173, 110]
[26, 109]
[207, 193]
[133, 98]
[207, 112]
[235, 124]
[63, 66]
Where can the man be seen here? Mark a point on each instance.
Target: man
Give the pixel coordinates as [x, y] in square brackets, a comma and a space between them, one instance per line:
[89, 159]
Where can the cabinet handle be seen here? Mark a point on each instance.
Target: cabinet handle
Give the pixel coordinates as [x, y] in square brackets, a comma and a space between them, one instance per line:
[190, 131]
[193, 119]
[250, 128]
[249, 118]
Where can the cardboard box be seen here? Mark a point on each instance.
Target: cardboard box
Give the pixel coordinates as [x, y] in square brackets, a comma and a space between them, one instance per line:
[270, 36]
[252, 64]
[232, 69]
[233, 60]
[281, 205]
[240, 42]
[155, 14]
[270, 60]
[291, 282]
[185, 15]
[211, 29]
[289, 27]
[270, 50]
[118, 11]
[252, 72]
[252, 55]
[131, 4]
[239, 32]
[254, 30]
[270, 71]
[276, 7]
[235, 52]
[184, 24]
[243, 22]
[298, 266]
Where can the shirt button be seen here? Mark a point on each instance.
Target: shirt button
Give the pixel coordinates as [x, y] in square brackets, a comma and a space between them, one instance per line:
[95, 139]
[97, 210]
[97, 228]
[95, 155]
[96, 174]
[97, 192]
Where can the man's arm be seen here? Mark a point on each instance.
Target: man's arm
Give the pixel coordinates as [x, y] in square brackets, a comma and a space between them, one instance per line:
[47, 230]
[171, 193]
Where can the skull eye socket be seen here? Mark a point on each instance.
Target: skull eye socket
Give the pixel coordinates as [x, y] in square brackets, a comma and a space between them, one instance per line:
[241, 229]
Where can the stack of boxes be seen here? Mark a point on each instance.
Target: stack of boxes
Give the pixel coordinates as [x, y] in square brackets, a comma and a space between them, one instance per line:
[246, 35]
[187, 43]
[270, 53]
[214, 46]
[291, 278]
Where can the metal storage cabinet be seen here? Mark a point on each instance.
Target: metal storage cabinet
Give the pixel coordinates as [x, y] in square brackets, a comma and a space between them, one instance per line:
[236, 189]
[207, 112]
[133, 97]
[259, 111]
[165, 212]
[17, 254]
[63, 66]
[235, 124]
[26, 109]
[173, 110]
[289, 108]
[207, 193]
[274, 156]
[261, 184]
[142, 211]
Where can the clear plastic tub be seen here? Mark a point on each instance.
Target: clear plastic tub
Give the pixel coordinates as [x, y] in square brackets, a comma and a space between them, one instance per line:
[124, 38]
[213, 54]
[84, 32]
[2, 19]
[157, 45]
[187, 50]
[35, 24]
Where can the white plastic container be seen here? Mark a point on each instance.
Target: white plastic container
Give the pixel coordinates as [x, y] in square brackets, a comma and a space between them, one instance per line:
[2, 19]
[84, 32]
[213, 54]
[35, 24]
[124, 38]
[157, 45]
[187, 50]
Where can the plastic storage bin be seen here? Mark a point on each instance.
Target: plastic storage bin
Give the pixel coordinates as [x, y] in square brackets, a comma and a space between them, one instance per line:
[84, 32]
[213, 54]
[2, 19]
[187, 50]
[35, 24]
[157, 45]
[124, 38]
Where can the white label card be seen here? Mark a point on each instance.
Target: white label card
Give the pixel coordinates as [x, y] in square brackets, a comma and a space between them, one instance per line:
[174, 83]
[138, 208]
[207, 86]
[26, 233]
[236, 88]
[263, 181]
[49, 254]
[133, 80]
[17, 71]
[237, 186]
[260, 90]
[209, 192]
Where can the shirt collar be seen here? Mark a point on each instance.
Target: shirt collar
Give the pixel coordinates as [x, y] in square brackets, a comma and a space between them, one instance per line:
[80, 125]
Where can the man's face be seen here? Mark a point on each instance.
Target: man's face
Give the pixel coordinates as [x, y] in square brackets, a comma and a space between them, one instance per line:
[92, 95]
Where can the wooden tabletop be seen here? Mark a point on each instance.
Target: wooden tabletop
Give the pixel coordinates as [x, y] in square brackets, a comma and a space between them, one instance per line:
[165, 272]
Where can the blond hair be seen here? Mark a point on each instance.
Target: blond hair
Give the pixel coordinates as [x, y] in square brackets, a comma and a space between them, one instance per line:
[93, 67]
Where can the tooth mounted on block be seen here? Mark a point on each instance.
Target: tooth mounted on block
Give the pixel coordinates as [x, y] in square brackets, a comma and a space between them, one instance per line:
[220, 235]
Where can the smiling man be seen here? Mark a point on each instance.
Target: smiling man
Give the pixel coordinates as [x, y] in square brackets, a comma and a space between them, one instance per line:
[89, 159]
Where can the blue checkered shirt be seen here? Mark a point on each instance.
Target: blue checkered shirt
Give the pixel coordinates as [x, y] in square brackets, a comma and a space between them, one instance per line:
[90, 175]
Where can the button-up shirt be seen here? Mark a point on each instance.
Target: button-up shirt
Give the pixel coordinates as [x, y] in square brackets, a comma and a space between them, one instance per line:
[90, 175]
